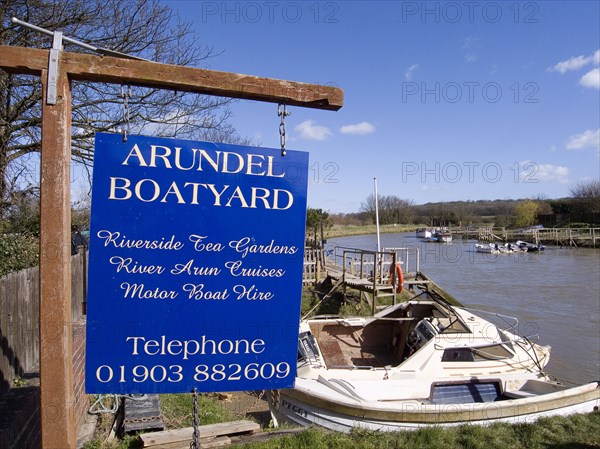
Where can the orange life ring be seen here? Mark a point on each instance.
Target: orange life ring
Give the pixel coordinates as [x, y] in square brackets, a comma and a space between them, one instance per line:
[399, 277]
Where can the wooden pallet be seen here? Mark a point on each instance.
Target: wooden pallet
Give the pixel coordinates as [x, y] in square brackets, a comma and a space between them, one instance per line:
[211, 435]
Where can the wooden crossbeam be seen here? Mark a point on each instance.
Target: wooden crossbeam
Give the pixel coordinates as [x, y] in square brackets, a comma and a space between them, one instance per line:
[106, 69]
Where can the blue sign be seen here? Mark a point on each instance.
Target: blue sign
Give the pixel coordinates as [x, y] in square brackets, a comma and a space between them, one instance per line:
[196, 261]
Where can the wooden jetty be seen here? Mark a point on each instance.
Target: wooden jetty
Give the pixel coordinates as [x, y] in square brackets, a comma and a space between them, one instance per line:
[573, 237]
[373, 275]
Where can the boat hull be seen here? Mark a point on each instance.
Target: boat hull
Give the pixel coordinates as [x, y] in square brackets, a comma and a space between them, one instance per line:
[304, 408]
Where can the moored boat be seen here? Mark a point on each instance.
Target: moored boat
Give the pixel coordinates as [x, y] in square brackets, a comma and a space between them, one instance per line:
[495, 248]
[490, 248]
[424, 233]
[419, 363]
[530, 247]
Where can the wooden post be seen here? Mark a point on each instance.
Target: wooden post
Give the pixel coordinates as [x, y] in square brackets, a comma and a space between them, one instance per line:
[56, 349]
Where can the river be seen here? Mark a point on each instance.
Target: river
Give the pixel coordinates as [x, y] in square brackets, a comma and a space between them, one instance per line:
[555, 294]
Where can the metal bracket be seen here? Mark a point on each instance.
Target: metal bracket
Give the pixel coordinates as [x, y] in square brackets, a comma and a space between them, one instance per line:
[54, 57]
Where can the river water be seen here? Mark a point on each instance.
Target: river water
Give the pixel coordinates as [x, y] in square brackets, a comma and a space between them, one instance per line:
[555, 294]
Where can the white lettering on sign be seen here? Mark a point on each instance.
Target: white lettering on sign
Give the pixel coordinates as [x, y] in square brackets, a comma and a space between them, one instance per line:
[199, 159]
[187, 348]
[149, 191]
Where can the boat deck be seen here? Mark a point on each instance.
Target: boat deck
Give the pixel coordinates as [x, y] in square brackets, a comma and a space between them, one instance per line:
[344, 346]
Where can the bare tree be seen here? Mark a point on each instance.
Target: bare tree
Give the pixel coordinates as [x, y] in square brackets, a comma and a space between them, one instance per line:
[587, 194]
[143, 28]
[391, 209]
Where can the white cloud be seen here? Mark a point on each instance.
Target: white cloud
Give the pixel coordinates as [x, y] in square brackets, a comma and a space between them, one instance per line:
[470, 57]
[544, 172]
[358, 129]
[309, 130]
[471, 45]
[591, 79]
[587, 139]
[408, 73]
[576, 62]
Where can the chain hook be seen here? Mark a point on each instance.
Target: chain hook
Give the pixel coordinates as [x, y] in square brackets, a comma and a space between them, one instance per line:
[283, 113]
[126, 95]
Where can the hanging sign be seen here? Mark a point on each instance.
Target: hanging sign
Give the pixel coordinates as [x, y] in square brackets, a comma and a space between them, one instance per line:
[196, 261]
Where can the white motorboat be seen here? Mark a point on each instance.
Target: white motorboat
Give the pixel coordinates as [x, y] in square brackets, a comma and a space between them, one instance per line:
[490, 248]
[424, 233]
[530, 247]
[495, 248]
[421, 363]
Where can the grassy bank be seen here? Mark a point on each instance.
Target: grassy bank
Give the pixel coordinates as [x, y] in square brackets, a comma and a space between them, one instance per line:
[573, 432]
[345, 231]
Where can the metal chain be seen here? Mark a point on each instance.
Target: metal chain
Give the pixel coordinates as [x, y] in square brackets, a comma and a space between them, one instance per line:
[283, 113]
[126, 95]
[195, 444]
[259, 397]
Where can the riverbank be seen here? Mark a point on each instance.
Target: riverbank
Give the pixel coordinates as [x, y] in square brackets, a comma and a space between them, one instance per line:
[346, 231]
[561, 237]
[576, 431]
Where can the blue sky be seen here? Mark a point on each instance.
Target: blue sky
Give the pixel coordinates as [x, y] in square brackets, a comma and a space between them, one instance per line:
[443, 100]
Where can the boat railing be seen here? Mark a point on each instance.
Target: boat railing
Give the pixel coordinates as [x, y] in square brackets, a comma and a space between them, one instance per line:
[511, 322]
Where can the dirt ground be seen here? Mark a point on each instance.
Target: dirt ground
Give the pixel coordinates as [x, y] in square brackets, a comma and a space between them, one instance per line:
[248, 404]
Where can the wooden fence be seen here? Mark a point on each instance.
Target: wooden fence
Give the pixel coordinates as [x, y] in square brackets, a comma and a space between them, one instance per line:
[588, 237]
[314, 265]
[20, 316]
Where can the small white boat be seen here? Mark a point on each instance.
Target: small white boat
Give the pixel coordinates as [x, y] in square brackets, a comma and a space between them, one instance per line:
[422, 363]
[530, 247]
[490, 248]
[438, 235]
[495, 248]
[424, 233]
[443, 236]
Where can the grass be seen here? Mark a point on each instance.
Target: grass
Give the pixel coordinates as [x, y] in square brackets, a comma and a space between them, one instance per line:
[345, 231]
[176, 410]
[573, 432]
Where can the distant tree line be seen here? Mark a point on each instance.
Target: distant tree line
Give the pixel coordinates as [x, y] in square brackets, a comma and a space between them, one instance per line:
[582, 207]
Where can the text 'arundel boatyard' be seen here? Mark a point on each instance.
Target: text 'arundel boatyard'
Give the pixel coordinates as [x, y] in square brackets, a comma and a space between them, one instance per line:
[149, 190]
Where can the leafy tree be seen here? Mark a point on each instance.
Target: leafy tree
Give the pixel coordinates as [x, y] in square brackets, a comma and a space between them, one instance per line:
[19, 242]
[526, 213]
[145, 28]
[316, 219]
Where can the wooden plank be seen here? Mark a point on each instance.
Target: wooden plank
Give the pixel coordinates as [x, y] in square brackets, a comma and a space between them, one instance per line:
[105, 69]
[205, 443]
[154, 439]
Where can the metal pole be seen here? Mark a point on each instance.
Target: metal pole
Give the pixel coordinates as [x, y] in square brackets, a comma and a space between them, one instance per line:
[377, 227]
[377, 216]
